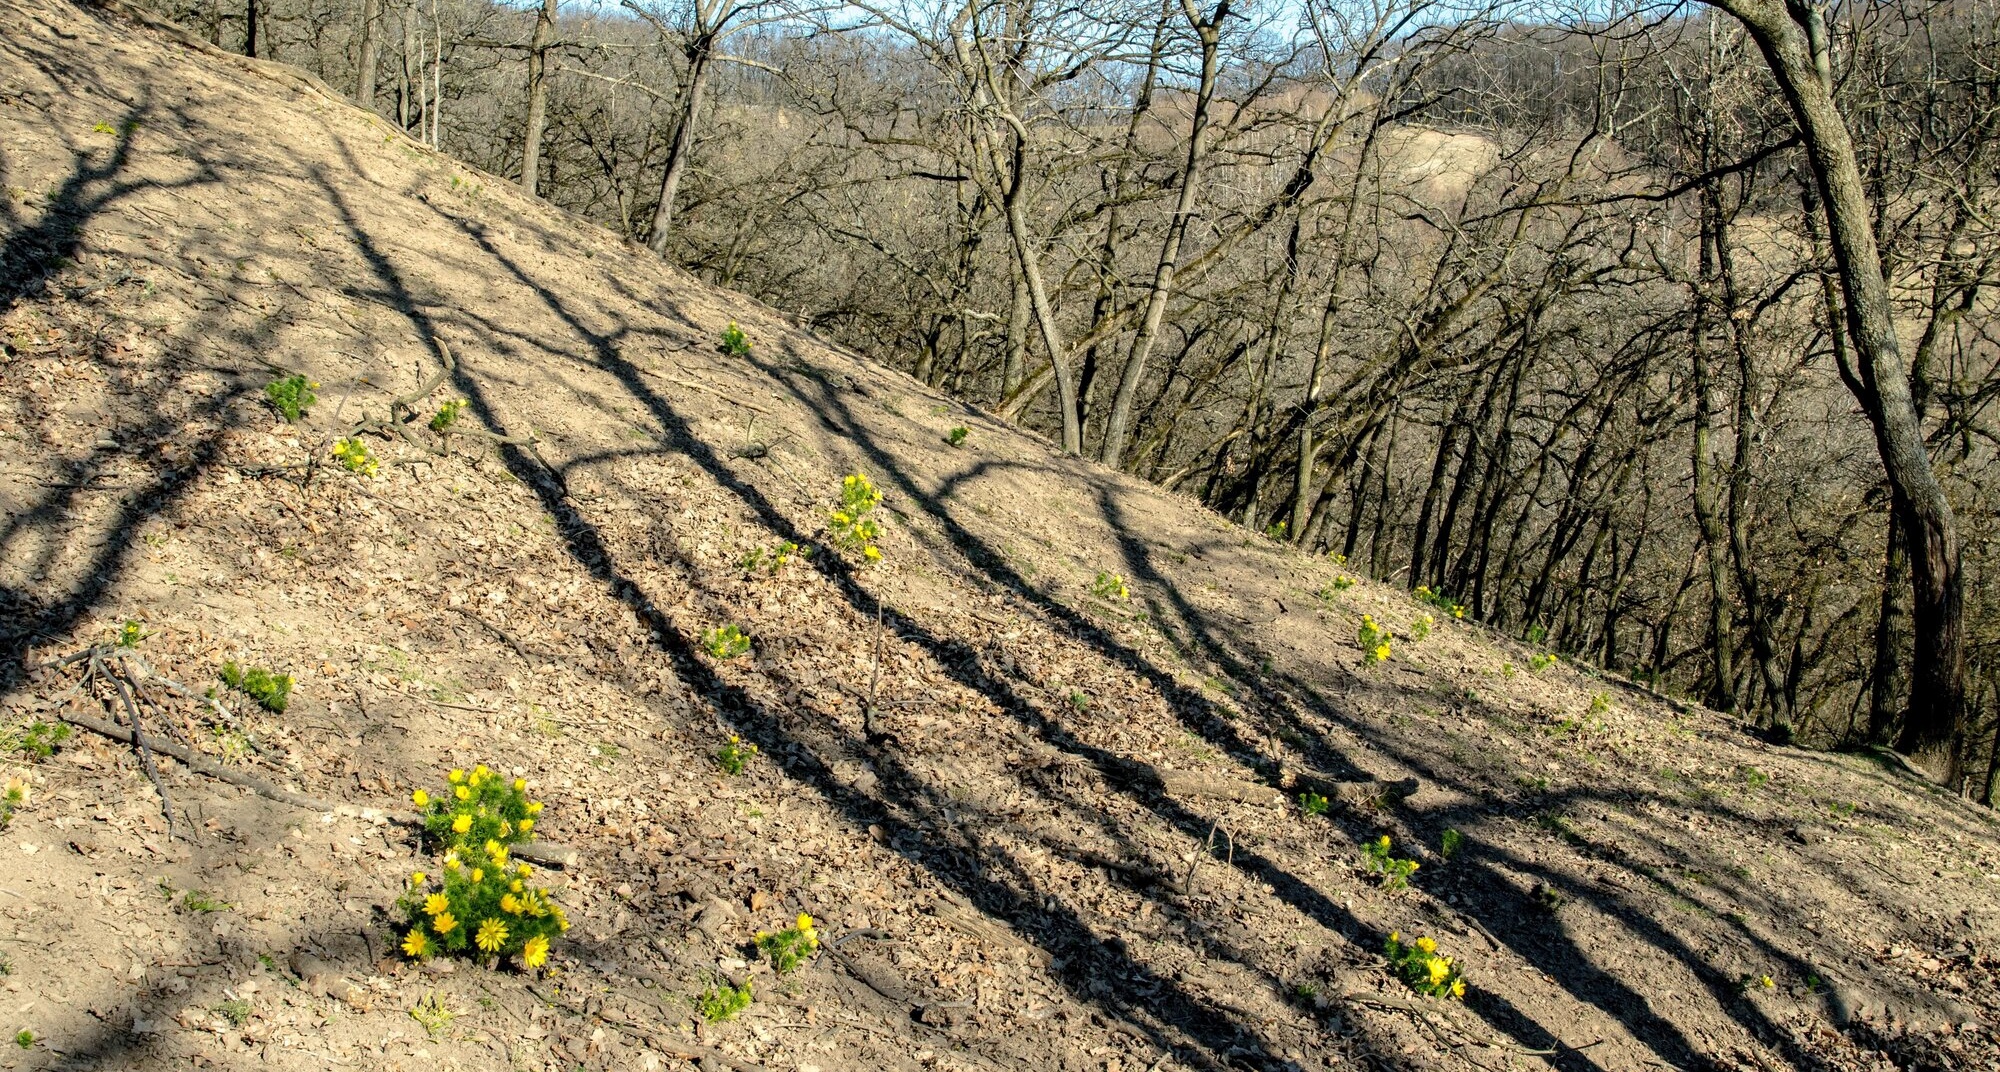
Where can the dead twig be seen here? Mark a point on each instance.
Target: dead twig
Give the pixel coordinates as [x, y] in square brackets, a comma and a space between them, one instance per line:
[1207, 848]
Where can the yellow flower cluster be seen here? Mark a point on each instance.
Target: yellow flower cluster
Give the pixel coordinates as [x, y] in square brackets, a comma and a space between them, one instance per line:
[850, 524]
[482, 903]
[354, 456]
[1423, 968]
[792, 946]
[1374, 640]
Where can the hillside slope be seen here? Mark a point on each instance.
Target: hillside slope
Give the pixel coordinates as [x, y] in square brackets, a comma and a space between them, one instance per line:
[1056, 829]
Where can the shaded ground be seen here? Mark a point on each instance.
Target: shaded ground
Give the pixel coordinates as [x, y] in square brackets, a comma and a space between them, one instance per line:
[1037, 810]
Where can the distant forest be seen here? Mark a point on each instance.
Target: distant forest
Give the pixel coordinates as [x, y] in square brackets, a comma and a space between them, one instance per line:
[1664, 337]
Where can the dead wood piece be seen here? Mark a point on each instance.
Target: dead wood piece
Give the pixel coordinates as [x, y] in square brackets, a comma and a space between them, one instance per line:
[1369, 793]
[1181, 783]
[874, 978]
[970, 921]
[320, 978]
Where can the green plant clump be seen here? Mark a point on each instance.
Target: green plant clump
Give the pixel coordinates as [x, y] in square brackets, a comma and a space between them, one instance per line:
[956, 437]
[1427, 594]
[13, 795]
[851, 524]
[482, 904]
[725, 642]
[355, 457]
[201, 903]
[1395, 872]
[733, 756]
[38, 739]
[758, 560]
[1450, 844]
[25, 1039]
[1422, 627]
[291, 397]
[1313, 804]
[790, 947]
[722, 1002]
[1374, 640]
[1109, 586]
[131, 633]
[271, 691]
[733, 341]
[1540, 661]
[1420, 967]
[447, 415]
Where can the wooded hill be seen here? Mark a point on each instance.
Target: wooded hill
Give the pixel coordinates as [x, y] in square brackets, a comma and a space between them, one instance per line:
[1546, 316]
[1078, 774]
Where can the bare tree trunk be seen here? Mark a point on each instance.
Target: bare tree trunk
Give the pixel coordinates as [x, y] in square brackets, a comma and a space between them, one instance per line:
[1792, 40]
[700, 55]
[1889, 684]
[1016, 361]
[371, 45]
[1115, 426]
[538, 98]
[250, 28]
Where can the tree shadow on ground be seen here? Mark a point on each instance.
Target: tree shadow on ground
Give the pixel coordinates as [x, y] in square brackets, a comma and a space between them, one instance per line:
[915, 814]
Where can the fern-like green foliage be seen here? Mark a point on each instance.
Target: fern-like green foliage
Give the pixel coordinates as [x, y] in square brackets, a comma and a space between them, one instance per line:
[271, 691]
[291, 397]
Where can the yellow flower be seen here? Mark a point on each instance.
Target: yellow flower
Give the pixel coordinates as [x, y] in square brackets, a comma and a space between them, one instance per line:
[562, 921]
[456, 776]
[509, 904]
[1458, 989]
[520, 785]
[1439, 969]
[535, 808]
[463, 793]
[480, 772]
[871, 553]
[478, 874]
[418, 878]
[1381, 653]
[461, 824]
[1396, 936]
[524, 871]
[536, 952]
[444, 922]
[805, 924]
[527, 825]
[420, 798]
[492, 935]
[506, 828]
[492, 847]
[1428, 945]
[416, 943]
[451, 860]
[1384, 842]
[435, 904]
[515, 886]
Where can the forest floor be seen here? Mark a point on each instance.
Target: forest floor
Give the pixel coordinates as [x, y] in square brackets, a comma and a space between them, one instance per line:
[1050, 827]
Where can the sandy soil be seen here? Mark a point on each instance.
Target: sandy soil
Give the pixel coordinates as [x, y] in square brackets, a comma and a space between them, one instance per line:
[1051, 828]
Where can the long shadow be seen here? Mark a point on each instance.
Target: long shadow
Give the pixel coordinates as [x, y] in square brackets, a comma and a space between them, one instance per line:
[1558, 958]
[1196, 712]
[917, 819]
[30, 254]
[589, 548]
